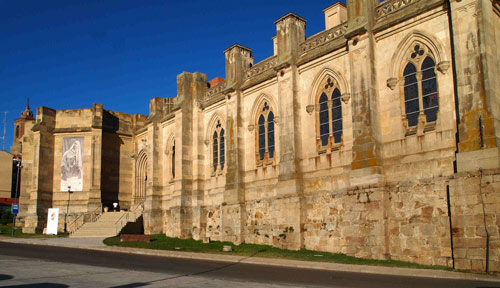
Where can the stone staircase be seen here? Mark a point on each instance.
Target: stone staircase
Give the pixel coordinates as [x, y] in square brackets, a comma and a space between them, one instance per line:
[109, 224]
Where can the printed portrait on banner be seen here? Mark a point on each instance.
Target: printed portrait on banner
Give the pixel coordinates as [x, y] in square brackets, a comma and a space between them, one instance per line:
[72, 164]
[52, 221]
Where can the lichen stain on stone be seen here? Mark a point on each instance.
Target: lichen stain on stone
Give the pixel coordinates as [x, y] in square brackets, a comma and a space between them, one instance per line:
[314, 184]
[470, 134]
[364, 152]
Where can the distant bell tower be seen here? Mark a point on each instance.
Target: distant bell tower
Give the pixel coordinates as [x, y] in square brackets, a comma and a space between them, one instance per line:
[21, 125]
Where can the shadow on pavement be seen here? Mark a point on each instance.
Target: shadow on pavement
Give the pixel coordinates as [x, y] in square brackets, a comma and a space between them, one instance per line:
[132, 285]
[5, 277]
[39, 285]
[141, 284]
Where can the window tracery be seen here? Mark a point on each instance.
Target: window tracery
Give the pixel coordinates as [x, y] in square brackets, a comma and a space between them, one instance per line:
[172, 160]
[141, 175]
[265, 137]
[419, 89]
[329, 115]
[218, 149]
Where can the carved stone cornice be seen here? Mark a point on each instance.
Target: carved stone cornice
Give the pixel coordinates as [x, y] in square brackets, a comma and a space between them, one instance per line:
[72, 130]
[228, 90]
[282, 66]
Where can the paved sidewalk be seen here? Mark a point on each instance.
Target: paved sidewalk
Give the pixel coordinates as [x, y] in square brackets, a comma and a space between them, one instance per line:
[96, 244]
[61, 241]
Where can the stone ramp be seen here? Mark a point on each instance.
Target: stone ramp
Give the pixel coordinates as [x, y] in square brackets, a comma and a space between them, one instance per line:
[106, 226]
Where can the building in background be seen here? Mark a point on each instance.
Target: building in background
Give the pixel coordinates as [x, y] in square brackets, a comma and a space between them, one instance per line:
[377, 137]
[9, 181]
[6, 160]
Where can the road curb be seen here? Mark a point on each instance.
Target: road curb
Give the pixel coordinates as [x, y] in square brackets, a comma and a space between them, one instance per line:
[392, 271]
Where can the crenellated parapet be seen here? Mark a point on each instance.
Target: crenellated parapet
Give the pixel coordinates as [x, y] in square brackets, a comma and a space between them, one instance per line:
[391, 12]
[212, 91]
[262, 66]
[391, 6]
[323, 37]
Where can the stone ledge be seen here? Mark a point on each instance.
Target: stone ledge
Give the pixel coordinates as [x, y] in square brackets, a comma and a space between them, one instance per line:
[478, 159]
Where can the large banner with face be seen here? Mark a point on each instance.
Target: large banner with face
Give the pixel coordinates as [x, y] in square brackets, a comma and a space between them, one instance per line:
[72, 164]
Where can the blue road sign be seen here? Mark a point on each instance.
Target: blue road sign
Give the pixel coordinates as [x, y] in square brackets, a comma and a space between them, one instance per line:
[15, 208]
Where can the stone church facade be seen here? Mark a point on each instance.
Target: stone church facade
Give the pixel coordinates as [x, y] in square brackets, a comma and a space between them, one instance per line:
[377, 137]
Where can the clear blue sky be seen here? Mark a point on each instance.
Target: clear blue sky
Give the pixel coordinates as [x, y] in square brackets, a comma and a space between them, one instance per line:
[121, 53]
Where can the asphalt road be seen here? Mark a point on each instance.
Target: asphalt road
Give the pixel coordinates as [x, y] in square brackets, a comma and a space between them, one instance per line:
[46, 266]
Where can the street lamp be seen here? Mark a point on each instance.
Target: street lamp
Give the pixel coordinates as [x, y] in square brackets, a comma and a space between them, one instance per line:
[67, 210]
[18, 160]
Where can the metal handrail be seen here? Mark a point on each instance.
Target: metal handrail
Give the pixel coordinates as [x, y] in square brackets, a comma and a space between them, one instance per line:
[126, 215]
[92, 219]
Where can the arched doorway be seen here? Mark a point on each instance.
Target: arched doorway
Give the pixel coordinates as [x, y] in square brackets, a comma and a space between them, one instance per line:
[141, 175]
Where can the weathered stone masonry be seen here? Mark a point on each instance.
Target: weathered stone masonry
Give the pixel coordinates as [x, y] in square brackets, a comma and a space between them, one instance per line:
[333, 143]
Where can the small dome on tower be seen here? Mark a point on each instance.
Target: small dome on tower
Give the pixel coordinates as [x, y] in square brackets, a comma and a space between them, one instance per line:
[27, 113]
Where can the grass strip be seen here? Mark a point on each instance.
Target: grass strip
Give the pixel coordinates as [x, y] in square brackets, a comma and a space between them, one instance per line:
[6, 230]
[162, 242]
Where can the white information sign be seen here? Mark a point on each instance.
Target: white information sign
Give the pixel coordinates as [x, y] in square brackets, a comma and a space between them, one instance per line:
[52, 221]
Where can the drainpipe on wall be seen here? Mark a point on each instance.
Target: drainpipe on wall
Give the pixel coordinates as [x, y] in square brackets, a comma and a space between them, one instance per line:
[487, 256]
[457, 115]
[455, 88]
[451, 227]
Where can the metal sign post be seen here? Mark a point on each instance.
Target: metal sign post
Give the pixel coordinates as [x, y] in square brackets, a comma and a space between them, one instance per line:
[15, 206]
[14, 209]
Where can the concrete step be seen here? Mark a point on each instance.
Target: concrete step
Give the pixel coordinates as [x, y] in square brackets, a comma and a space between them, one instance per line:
[105, 226]
[95, 235]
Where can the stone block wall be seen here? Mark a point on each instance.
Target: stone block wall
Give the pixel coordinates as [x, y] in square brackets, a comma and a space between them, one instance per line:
[475, 210]
[407, 221]
[213, 224]
[73, 118]
[349, 221]
[274, 221]
[418, 223]
[259, 222]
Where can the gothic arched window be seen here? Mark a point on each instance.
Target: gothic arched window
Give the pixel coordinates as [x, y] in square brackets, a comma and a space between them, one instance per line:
[324, 122]
[329, 115]
[265, 134]
[141, 175]
[221, 155]
[420, 87]
[172, 166]
[336, 116]
[270, 134]
[218, 148]
[215, 151]
[262, 137]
